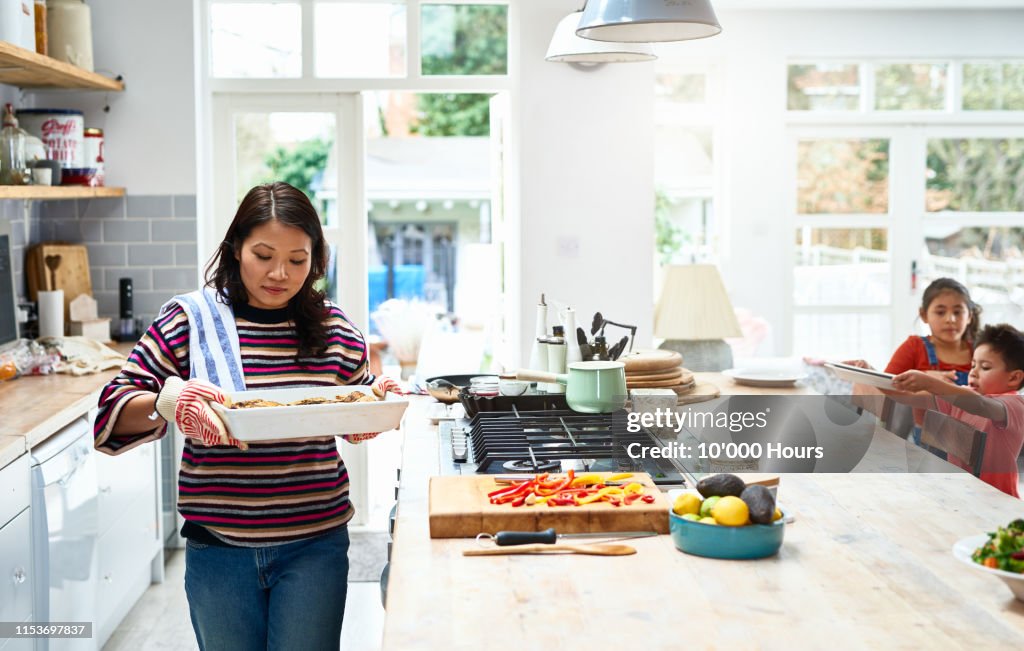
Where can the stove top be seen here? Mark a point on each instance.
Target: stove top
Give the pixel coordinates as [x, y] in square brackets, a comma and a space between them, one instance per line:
[550, 441]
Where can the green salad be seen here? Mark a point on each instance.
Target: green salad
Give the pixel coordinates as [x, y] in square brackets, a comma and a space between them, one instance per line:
[1004, 549]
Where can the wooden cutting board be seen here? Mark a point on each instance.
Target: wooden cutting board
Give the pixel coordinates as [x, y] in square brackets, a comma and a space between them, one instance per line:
[651, 361]
[699, 393]
[72, 274]
[459, 508]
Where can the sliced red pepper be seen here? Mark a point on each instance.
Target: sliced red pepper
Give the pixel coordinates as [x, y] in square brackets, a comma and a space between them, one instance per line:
[519, 501]
[507, 489]
[569, 476]
[648, 499]
[630, 498]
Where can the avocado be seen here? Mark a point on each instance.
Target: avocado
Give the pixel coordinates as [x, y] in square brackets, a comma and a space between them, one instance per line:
[760, 502]
[722, 484]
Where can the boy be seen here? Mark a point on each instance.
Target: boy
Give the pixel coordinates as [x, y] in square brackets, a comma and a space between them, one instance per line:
[990, 402]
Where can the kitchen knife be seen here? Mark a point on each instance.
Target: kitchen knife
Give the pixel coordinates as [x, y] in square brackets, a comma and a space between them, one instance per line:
[550, 536]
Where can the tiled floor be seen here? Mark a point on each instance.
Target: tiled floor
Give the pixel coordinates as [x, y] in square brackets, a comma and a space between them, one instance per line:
[160, 619]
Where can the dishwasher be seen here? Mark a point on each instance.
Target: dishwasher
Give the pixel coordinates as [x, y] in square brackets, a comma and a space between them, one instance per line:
[65, 523]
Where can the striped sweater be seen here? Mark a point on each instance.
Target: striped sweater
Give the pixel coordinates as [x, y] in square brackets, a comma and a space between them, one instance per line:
[276, 491]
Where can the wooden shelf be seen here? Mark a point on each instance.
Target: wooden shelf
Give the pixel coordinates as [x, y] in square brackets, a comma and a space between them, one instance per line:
[45, 192]
[21, 67]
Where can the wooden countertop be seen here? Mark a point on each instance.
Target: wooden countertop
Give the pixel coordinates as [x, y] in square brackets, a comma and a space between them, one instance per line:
[867, 562]
[36, 406]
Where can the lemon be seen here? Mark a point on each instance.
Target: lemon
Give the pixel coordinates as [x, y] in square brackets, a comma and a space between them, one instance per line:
[707, 521]
[707, 505]
[686, 503]
[731, 512]
[777, 515]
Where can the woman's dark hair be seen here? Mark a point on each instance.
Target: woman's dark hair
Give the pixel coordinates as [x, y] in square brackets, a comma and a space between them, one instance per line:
[288, 205]
[949, 285]
[1007, 342]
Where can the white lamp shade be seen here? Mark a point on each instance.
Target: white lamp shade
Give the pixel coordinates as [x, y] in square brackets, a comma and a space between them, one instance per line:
[565, 46]
[694, 305]
[648, 21]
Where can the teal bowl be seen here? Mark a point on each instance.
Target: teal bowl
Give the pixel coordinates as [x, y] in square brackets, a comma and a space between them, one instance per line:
[734, 543]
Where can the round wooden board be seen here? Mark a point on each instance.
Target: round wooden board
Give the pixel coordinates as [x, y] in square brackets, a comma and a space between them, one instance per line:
[684, 376]
[703, 391]
[670, 383]
[651, 361]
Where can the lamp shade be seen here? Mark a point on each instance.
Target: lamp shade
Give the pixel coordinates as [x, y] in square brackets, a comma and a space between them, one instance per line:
[694, 305]
[565, 46]
[648, 21]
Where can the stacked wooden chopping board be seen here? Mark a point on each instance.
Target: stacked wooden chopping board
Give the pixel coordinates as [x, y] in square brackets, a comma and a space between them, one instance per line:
[663, 369]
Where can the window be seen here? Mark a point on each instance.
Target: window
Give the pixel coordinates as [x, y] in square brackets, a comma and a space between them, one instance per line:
[359, 39]
[460, 39]
[256, 40]
[881, 200]
[824, 87]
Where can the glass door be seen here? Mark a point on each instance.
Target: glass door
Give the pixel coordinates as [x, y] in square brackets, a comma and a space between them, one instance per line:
[314, 142]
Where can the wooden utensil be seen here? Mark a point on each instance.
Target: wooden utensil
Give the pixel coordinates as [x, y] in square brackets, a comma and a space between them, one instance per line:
[591, 550]
[52, 262]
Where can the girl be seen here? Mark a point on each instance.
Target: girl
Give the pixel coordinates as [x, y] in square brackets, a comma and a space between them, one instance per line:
[953, 319]
[266, 561]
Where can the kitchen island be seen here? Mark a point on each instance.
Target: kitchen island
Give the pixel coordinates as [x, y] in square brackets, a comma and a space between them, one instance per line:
[867, 563]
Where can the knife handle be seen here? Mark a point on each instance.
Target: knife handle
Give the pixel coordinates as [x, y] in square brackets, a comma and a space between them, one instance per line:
[504, 538]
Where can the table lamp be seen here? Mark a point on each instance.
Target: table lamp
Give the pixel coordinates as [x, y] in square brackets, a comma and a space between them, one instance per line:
[694, 314]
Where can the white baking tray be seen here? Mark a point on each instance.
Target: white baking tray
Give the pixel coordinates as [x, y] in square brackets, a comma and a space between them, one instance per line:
[859, 375]
[304, 421]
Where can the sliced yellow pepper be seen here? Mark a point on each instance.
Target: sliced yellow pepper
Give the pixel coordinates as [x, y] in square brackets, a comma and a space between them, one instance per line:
[619, 477]
[584, 480]
[633, 487]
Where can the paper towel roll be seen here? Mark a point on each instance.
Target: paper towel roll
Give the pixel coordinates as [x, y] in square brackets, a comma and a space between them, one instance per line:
[51, 313]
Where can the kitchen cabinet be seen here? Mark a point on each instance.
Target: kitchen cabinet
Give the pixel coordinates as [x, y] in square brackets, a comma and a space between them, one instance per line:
[30, 70]
[16, 575]
[129, 533]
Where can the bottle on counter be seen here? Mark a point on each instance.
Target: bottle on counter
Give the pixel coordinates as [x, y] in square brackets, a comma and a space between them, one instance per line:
[572, 345]
[538, 357]
[599, 349]
[13, 170]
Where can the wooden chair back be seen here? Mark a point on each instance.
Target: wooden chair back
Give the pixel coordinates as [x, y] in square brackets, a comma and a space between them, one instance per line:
[955, 438]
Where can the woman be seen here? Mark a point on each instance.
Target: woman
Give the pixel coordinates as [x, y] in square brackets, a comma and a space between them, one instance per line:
[266, 561]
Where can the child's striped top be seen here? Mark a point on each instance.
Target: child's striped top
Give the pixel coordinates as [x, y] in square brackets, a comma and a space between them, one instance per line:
[277, 491]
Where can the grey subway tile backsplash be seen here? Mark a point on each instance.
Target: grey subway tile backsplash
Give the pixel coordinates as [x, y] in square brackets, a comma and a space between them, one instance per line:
[174, 278]
[151, 239]
[185, 205]
[185, 254]
[101, 208]
[174, 230]
[142, 279]
[128, 230]
[150, 206]
[151, 255]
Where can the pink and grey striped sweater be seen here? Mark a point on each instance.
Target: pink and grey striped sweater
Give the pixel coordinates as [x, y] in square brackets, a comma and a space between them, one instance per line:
[276, 491]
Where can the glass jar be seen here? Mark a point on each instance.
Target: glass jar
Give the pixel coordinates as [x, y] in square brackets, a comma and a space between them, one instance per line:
[13, 170]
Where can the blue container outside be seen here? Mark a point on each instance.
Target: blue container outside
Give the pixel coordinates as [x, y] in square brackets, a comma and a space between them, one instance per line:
[734, 543]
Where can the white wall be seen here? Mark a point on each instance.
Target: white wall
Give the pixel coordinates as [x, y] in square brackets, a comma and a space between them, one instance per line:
[150, 129]
[586, 178]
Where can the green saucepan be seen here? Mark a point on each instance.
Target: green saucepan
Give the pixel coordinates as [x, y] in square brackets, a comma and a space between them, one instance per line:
[590, 387]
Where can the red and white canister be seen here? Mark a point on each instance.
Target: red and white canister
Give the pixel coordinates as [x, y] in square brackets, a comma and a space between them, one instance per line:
[94, 155]
[62, 132]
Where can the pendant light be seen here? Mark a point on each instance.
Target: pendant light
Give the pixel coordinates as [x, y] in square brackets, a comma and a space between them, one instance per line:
[566, 47]
[648, 21]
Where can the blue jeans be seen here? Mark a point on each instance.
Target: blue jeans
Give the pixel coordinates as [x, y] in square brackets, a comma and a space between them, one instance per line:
[289, 596]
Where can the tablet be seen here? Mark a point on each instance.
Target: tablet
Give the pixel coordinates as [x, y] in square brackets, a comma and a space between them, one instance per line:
[871, 377]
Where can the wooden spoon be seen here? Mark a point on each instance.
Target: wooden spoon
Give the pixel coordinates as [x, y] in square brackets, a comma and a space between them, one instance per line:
[52, 262]
[593, 550]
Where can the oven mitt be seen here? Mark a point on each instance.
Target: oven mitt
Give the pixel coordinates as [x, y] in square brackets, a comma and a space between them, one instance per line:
[381, 387]
[186, 404]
